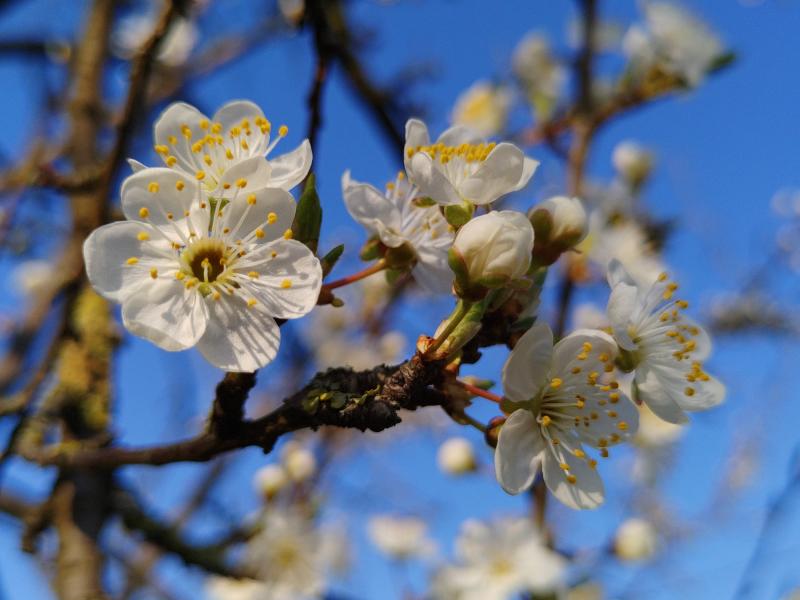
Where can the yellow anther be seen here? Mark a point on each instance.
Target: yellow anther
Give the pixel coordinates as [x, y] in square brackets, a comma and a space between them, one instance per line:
[604, 452]
[575, 370]
[172, 140]
[253, 274]
[198, 146]
[204, 123]
[207, 160]
[216, 295]
[132, 260]
[592, 463]
[602, 443]
[603, 357]
[564, 466]
[689, 391]
[682, 304]
[662, 276]
[170, 160]
[545, 421]
[615, 438]
[273, 254]
[190, 283]
[216, 128]
[200, 175]
[286, 284]
[555, 383]
[582, 356]
[161, 148]
[179, 185]
[283, 131]
[186, 131]
[251, 199]
[614, 397]
[622, 426]
[587, 346]
[142, 236]
[170, 216]
[612, 414]
[242, 182]
[579, 453]
[226, 230]
[572, 479]
[287, 235]
[153, 272]
[228, 154]
[152, 187]
[259, 233]
[180, 275]
[271, 218]
[251, 302]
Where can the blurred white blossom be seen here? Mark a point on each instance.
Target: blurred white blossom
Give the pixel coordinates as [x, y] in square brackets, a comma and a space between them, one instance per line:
[456, 456]
[635, 539]
[483, 107]
[401, 538]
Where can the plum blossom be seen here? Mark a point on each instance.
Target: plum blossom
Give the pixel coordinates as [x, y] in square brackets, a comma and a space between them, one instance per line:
[398, 221]
[231, 145]
[563, 405]
[456, 456]
[401, 538]
[540, 73]
[498, 561]
[483, 107]
[674, 40]
[664, 348]
[461, 166]
[189, 271]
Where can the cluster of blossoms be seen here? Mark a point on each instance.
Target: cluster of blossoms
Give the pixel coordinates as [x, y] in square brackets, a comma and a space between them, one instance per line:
[206, 255]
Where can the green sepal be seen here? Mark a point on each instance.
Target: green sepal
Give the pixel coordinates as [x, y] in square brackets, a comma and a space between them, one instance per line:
[308, 217]
[330, 259]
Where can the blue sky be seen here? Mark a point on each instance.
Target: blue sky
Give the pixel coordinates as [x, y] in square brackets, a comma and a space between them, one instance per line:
[723, 151]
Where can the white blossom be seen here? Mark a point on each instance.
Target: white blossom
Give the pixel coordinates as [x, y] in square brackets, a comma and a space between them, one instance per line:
[175, 49]
[494, 248]
[666, 348]
[564, 404]
[401, 538]
[498, 561]
[632, 161]
[462, 167]
[456, 456]
[635, 540]
[483, 107]
[189, 271]
[31, 277]
[270, 480]
[231, 145]
[541, 74]
[397, 220]
[674, 40]
[298, 461]
[223, 588]
[625, 241]
[561, 221]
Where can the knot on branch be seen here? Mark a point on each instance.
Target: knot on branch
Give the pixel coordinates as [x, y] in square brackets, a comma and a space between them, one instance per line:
[227, 412]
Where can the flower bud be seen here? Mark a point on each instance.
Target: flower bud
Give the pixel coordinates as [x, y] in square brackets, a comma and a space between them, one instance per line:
[492, 250]
[270, 480]
[635, 540]
[299, 462]
[633, 162]
[456, 456]
[559, 223]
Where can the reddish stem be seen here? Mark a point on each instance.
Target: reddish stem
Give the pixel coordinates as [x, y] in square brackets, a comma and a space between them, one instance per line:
[377, 267]
[476, 391]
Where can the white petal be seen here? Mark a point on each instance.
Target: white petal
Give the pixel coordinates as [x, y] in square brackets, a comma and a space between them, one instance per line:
[622, 302]
[567, 350]
[498, 175]
[166, 313]
[294, 265]
[373, 210]
[238, 337]
[107, 250]
[651, 391]
[170, 125]
[432, 272]
[708, 394]
[135, 165]
[616, 273]
[291, 168]
[459, 134]
[416, 134]
[242, 218]
[423, 172]
[528, 366]
[519, 445]
[529, 167]
[152, 196]
[586, 493]
[256, 173]
[233, 113]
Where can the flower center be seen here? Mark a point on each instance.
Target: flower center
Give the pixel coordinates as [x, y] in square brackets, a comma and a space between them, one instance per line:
[470, 153]
[206, 260]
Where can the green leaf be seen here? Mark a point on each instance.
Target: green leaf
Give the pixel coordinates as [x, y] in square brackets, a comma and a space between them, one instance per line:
[308, 218]
[722, 61]
[330, 259]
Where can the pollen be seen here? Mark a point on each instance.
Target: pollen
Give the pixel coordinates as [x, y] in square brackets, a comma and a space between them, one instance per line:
[179, 185]
[153, 272]
[286, 284]
[251, 199]
[242, 182]
[142, 236]
[252, 302]
[132, 261]
[200, 175]
[259, 233]
[170, 160]
[161, 149]
[271, 218]
[545, 421]
[253, 274]
[283, 131]
[689, 391]
[287, 235]
[622, 426]
[555, 383]
[572, 479]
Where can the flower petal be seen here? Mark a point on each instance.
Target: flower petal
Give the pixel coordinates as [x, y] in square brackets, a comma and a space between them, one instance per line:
[586, 493]
[169, 128]
[245, 177]
[650, 390]
[622, 302]
[288, 284]
[166, 313]
[498, 175]
[569, 348]
[291, 168]
[519, 445]
[239, 338]
[107, 250]
[270, 209]
[459, 134]
[165, 199]
[373, 210]
[432, 271]
[423, 172]
[233, 113]
[529, 167]
[416, 134]
[528, 366]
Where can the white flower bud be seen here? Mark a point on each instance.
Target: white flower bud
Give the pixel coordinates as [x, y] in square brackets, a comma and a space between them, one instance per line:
[632, 161]
[299, 462]
[32, 277]
[561, 221]
[635, 540]
[493, 249]
[456, 456]
[270, 480]
[483, 108]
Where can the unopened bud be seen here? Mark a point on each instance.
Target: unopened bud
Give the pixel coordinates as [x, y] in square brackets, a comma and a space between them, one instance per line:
[493, 430]
[633, 162]
[270, 480]
[299, 462]
[635, 540]
[456, 456]
[560, 223]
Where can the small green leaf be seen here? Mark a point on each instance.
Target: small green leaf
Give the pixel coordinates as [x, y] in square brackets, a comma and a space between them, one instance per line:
[308, 218]
[329, 260]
